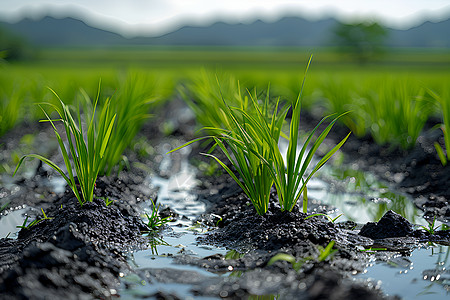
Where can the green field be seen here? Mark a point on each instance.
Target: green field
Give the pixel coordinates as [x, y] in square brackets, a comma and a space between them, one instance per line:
[390, 98]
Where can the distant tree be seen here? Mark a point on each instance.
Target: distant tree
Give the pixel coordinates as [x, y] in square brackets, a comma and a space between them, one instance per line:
[13, 47]
[363, 41]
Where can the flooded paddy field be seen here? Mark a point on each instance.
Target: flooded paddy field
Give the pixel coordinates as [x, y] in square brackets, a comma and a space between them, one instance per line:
[215, 245]
[372, 223]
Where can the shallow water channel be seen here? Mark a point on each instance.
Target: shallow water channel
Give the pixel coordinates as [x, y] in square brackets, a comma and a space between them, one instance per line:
[424, 274]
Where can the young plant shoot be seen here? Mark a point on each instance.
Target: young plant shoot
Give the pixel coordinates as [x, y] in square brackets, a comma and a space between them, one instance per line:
[154, 221]
[85, 149]
[289, 177]
[250, 140]
[444, 105]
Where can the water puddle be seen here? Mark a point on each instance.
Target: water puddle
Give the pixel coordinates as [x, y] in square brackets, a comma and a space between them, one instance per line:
[359, 196]
[9, 220]
[11, 217]
[175, 192]
[423, 275]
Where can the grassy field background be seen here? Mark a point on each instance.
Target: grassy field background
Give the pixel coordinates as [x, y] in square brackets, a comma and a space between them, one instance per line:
[382, 91]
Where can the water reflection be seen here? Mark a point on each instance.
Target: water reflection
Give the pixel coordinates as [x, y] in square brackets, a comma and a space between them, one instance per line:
[425, 274]
[440, 274]
[9, 220]
[360, 196]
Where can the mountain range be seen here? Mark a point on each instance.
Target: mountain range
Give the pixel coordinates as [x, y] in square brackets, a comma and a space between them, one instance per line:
[288, 31]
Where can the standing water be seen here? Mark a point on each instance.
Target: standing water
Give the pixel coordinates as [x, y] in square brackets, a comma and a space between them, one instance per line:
[421, 274]
[357, 195]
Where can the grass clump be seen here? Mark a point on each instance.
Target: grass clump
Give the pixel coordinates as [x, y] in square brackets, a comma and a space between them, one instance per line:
[325, 253]
[204, 97]
[132, 104]
[155, 221]
[84, 148]
[398, 112]
[444, 104]
[36, 221]
[250, 142]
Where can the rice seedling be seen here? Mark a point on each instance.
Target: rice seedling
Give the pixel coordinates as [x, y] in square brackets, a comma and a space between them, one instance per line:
[243, 146]
[289, 177]
[11, 106]
[131, 105]
[325, 253]
[431, 228]
[398, 112]
[332, 220]
[444, 105]
[154, 221]
[86, 154]
[25, 226]
[247, 151]
[296, 264]
[107, 200]
[204, 97]
[250, 143]
[243, 152]
[154, 241]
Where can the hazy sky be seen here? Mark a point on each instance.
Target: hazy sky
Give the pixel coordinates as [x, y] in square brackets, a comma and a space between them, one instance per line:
[159, 16]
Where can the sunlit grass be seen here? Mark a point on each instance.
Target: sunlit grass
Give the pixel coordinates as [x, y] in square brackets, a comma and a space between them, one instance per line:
[204, 97]
[384, 100]
[239, 139]
[443, 102]
[84, 148]
[397, 111]
[132, 104]
[249, 139]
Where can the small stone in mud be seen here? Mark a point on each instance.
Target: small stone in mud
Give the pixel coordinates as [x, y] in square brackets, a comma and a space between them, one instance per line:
[390, 225]
[168, 212]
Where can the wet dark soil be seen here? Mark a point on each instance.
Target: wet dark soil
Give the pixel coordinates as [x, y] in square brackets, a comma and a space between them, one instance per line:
[80, 253]
[259, 238]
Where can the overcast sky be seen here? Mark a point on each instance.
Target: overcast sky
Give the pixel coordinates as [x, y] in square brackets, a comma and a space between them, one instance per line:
[159, 16]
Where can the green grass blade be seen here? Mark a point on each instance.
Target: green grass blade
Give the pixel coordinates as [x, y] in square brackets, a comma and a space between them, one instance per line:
[107, 136]
[440, 153]
[189, 143]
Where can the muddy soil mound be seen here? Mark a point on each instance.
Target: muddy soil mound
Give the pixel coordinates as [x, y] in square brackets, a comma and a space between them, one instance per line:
[239, 224]
[259, 238]
[76, 254]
